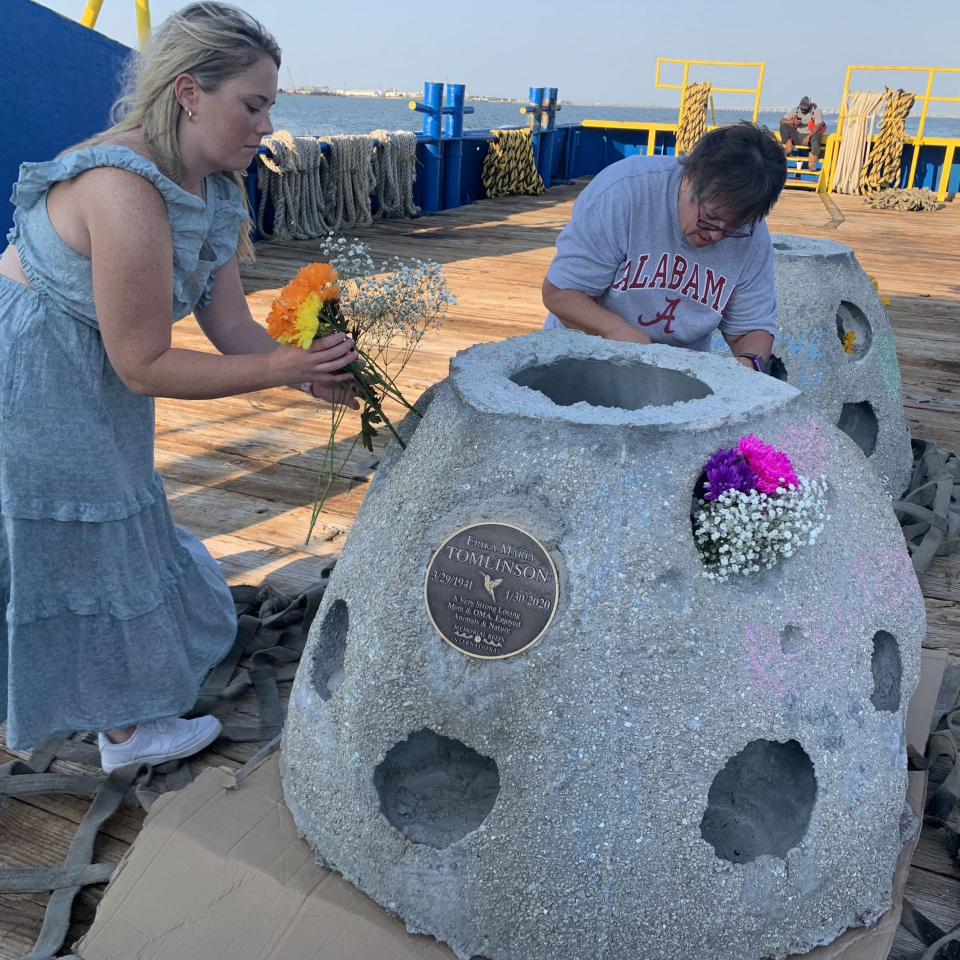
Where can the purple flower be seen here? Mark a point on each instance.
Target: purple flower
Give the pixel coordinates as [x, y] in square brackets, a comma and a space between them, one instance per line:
[727, 470]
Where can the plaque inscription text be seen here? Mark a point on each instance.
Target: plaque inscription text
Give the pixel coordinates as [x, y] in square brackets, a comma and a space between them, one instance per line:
[491, 590]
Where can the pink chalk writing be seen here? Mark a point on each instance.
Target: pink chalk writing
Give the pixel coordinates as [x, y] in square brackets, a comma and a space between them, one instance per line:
[807, 448]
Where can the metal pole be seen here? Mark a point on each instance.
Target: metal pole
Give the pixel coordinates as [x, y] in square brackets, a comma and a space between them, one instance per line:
[548, 135]
[90, 13]
[756, 102]
[143, 22]
[432, 105]
[918, 140]
[453, 149]
[536, 111]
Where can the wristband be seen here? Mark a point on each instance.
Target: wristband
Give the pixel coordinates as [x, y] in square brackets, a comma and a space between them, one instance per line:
[756, 361]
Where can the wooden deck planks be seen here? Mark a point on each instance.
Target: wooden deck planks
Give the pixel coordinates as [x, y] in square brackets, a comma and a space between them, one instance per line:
[241, 472]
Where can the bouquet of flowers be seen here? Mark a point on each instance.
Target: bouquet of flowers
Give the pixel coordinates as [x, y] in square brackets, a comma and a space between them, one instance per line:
[386, 312]
[752, 508]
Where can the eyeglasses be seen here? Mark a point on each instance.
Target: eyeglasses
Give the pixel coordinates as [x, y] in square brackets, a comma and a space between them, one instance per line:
[713, 228]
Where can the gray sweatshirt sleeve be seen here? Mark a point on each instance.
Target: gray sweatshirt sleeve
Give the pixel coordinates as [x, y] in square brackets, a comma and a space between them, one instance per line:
[591, 248]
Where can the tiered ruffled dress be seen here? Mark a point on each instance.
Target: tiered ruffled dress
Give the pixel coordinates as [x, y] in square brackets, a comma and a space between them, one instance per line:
[113, 613]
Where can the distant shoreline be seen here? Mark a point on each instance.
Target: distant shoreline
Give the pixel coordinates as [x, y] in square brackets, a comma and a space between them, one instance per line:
[827, 111]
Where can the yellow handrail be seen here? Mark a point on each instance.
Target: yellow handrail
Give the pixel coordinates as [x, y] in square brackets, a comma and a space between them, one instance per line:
[761, 67]
[92, 11]
[927, 98]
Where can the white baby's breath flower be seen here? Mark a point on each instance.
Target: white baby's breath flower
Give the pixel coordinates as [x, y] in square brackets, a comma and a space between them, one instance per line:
[746, 532]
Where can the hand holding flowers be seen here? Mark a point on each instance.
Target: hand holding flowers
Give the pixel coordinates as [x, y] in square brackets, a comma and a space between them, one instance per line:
[318, 364]
[355, 328]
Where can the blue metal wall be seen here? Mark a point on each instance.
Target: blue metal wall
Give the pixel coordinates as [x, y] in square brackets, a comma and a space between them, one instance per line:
[61, 81]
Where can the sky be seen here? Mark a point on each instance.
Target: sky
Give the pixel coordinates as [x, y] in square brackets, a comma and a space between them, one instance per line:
[603, 51]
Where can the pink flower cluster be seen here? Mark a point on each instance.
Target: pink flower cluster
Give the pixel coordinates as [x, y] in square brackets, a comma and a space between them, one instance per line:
[773, 468]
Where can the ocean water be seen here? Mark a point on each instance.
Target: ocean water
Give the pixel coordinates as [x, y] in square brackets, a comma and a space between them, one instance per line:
[320, 116]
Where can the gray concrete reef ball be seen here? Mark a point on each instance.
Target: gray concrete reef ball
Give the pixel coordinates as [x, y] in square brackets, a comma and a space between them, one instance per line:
[677, 768]
[824, 295]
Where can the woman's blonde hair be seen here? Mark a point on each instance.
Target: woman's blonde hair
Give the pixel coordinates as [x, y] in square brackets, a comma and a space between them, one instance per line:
[212, 42]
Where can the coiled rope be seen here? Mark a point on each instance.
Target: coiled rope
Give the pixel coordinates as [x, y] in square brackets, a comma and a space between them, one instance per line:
[856, 132]
[509, 167]
[394, 170]
[314, 193]
[911, 198]
[882, 168]
[693, 116]
[351, 180]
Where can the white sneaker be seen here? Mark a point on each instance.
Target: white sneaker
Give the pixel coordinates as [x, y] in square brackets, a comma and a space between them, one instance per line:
[157, 741]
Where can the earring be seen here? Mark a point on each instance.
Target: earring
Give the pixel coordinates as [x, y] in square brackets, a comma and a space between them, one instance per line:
[189, 114]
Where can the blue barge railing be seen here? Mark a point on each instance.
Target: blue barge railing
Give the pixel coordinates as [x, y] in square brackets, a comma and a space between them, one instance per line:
[450, 159]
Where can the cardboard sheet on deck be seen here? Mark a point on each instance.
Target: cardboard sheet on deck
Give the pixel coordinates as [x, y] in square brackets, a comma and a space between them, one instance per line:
[220, 873]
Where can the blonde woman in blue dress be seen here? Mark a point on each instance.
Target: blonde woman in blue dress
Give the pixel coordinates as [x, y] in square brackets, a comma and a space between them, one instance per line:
[114, 614]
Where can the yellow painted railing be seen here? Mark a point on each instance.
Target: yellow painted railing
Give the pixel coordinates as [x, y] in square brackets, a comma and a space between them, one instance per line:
[92, 11]
[918, 140]
[687, 64]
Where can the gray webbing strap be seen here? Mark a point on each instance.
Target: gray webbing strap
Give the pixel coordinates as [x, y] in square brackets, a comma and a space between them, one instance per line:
[929, 511]
[940, 944]
[944, 743]
[78, 869]
[272, 631]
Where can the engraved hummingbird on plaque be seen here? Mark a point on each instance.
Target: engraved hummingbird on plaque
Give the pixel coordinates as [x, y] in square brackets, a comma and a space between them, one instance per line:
[491, 585]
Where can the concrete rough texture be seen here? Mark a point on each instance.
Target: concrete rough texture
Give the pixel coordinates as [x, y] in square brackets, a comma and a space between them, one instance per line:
[683, 768]
[823, 292]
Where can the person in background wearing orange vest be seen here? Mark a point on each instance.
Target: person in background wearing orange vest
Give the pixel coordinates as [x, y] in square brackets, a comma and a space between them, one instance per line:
[804, 127]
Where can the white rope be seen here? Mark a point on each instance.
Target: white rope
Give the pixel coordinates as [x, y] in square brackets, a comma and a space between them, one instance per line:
[314, 193]
[856, 132]
[395, 169]
[291, 177]
[349, 183]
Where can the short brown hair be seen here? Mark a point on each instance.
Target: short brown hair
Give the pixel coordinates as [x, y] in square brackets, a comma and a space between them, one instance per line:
[741, 167]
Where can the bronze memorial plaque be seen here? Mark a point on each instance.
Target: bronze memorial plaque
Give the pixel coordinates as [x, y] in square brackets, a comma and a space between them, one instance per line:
[491, 590]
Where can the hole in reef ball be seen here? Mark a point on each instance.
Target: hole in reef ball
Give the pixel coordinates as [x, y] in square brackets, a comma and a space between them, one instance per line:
[760, 803]
[327, 667]
[852, 320]
[887, 671]
[603, 384]
[781, 246]
[435, 790]
[859, 423]
[791, 640]
[777, 368]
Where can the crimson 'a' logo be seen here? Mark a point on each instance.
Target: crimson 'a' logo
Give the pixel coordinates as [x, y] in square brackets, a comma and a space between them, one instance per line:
[668, 314]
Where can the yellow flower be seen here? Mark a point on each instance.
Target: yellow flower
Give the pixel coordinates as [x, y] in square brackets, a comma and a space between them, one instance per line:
[307, 320]
[876, 286]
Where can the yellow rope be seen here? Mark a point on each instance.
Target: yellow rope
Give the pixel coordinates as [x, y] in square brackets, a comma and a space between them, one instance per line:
[882, 168]
[693, 116]
[909, 199]
[509, 167]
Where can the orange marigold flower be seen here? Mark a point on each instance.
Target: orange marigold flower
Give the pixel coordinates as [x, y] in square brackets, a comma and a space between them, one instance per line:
[321, 279]
[315, 280]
